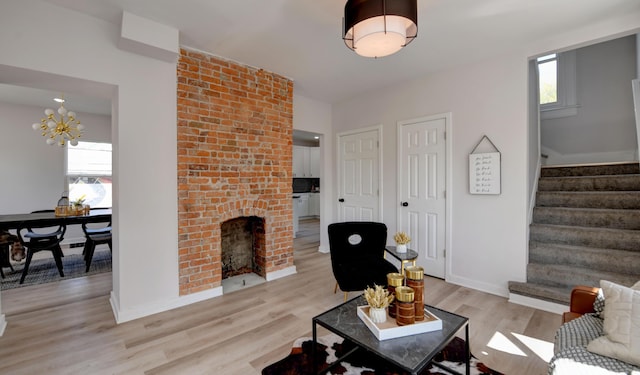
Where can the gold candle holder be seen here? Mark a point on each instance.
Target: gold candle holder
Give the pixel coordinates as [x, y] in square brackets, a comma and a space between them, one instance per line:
[405, 314]
[394, 280]
[415, 280]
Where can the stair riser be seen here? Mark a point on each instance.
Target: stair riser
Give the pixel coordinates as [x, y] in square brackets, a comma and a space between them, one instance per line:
[591, 259]
[609, 239]
[616, 219]
[602, 183]
[547, 275]
[629, 200]
[592, 170]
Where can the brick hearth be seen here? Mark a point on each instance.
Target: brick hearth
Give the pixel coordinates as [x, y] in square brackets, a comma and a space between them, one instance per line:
[235, 128]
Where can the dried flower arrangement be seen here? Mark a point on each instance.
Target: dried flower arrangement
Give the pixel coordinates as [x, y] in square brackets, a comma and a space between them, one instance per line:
[378, 297]
[401, 238]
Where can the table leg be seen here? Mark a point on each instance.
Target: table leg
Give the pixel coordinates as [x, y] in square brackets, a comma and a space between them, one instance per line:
[466, 348]
[313, 351]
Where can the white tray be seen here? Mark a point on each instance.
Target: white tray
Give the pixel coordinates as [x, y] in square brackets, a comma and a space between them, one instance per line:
[390, 330]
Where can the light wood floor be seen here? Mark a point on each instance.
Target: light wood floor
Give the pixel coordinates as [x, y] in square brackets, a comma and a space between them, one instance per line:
[67, 327]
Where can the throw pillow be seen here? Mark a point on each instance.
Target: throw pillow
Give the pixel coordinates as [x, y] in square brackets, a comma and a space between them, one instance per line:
[598, 303]
[621, 326]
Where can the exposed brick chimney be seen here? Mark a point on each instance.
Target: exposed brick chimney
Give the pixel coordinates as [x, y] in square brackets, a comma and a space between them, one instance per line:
[235, 128]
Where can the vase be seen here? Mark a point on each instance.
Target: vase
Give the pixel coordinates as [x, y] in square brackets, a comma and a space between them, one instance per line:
[378, 315]
[401, 248]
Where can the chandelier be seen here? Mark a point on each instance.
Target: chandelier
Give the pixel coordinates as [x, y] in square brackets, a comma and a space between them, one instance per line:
[377, 28]
[66, 128]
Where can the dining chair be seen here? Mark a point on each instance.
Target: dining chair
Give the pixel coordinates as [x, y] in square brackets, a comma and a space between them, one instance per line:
[39, 237]
[95, 235]
[357, 255]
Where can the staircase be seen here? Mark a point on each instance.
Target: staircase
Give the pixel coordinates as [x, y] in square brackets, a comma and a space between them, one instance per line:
[586, 227]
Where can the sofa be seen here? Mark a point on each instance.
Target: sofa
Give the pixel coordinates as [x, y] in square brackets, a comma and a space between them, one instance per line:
[596, 338]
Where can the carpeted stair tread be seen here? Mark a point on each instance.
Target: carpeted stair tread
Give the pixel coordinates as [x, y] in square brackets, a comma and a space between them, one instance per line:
[559, 295]
[597, 259]
[585, 228]
[591, 170]
[588, 217]
[629, 182]
[620, 239]
[589, 199]
[561, 276]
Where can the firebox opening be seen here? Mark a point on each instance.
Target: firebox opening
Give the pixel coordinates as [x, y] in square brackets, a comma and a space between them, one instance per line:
[242, 244]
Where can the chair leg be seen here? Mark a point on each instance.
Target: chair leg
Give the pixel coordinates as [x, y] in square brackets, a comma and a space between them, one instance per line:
[57, 255]
[345, 296]
[335, 289]
[26, 265]
[1, 272]
[88, 257]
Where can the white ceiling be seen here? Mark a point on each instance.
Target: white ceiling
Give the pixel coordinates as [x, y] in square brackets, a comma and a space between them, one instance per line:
[301, 39]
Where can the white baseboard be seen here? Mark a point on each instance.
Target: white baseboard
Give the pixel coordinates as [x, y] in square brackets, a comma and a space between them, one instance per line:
[281, 273]
[497, 290]
[154, 308]
[3, 324]
[551, 307]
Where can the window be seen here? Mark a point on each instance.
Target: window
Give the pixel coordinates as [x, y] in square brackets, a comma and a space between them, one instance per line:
[89, 173]
[557, 84]
[548, 78]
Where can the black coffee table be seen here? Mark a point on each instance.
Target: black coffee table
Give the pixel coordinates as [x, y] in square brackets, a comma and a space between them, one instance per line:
[410, 353]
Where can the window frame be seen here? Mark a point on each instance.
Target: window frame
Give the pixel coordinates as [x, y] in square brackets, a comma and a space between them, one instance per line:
[566, 103]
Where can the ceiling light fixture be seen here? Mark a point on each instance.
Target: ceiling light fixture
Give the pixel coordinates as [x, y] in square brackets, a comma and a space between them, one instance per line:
[67, 128]
[377, 28]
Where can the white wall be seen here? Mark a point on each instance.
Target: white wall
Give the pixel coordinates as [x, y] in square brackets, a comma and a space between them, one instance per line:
[143, 93]
[604, 128]
[36, 169]
[488, 98]
[315, 116]
[489, 245]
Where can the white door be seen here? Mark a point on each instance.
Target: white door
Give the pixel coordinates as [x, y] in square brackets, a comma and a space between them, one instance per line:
[358, 164]
[421, 187]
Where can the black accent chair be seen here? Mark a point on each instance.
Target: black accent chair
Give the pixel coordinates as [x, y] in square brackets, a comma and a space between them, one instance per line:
[95, 236]
[357, 255]
[38, 240]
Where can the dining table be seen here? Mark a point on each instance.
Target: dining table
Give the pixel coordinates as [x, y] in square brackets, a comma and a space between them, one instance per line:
[15, 221]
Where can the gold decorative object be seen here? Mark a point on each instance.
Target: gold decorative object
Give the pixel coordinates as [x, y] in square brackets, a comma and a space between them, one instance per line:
[378, 297]
[66, 128]
[401, 238]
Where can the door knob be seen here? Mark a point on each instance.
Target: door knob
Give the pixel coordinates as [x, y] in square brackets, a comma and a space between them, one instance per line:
[404, 204]
[341, 200]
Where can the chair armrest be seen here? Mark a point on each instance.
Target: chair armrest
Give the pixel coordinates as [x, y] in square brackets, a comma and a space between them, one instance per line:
[582, 298]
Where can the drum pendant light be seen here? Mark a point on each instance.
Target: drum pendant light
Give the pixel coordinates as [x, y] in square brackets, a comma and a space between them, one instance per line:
[377, 28]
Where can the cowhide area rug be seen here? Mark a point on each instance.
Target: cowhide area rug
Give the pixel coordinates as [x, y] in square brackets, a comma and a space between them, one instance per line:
[331, 347]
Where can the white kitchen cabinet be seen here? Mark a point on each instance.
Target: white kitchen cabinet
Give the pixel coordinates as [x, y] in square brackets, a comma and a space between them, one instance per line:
[314, 204]
[314, 161]
[300, 161]
[303, 204]
[306, 161]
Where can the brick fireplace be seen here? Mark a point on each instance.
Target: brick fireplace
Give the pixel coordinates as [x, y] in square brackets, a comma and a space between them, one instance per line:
[235, 128]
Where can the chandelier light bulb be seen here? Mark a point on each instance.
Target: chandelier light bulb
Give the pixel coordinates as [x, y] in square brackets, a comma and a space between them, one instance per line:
[62, 130]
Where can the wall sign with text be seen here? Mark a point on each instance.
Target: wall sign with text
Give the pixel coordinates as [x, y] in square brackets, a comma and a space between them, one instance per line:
[484, 170]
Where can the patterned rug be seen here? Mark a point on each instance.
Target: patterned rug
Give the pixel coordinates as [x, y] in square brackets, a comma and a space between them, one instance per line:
[43, 271]
[331, 347]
